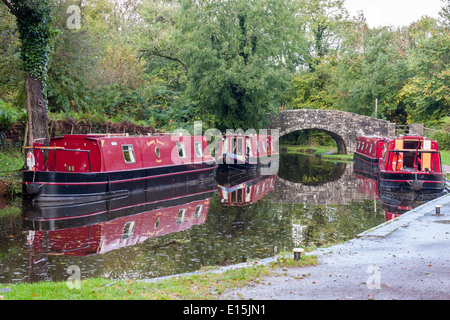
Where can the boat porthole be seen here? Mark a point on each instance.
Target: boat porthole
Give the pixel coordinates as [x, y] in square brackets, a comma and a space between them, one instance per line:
[156, 223]
[158, 154]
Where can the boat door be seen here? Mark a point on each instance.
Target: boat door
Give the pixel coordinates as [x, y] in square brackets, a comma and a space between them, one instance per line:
[426, 157]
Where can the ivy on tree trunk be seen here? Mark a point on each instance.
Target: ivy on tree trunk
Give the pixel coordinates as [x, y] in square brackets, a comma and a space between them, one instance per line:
[34, 21]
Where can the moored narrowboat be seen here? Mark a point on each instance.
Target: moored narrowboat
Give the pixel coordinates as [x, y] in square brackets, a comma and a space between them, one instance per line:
[369, 150]
[411, 163]
[90, 167]
[246, 152]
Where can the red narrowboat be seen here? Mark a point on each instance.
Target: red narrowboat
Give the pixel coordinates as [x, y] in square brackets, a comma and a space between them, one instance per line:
[246, 152]
[87, 167]
[369, 151]
[411, 163]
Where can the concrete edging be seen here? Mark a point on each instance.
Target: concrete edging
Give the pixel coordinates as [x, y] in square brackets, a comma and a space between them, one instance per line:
[386, 228]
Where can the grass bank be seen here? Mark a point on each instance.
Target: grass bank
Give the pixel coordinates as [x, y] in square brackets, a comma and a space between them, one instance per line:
[326, 152]
[203, 286]
[445, 157]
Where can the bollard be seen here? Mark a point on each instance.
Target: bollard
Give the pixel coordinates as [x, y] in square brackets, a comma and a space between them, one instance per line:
[438, 210]
[298, 253]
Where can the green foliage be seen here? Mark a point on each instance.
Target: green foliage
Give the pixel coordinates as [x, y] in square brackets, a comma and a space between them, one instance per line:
[226, 63]
[378, 71]
[36, 34]
[312, 89]
[310, 137]
[428, 91]
[11, 71]
[10, 115]
[238, 54]
[443, 139]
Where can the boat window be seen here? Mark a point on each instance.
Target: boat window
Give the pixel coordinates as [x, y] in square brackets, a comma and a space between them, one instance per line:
[181, 150]
[157, 152]
[371, 146]
[225, 146]
[239, 146]
[359, 144]
[156, 225]
[249, 148]
[128, 153]
[198, 149]
[198, 211]
[128, 230]
[362, 148]
[180, 217]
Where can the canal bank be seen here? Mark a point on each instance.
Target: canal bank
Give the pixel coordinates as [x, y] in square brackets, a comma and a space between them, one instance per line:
[405, 258]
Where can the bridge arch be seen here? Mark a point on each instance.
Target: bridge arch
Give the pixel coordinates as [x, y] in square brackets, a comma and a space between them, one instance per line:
[340, 143]
[344, 127]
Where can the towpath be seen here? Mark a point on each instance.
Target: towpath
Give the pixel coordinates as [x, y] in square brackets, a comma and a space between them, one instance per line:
[405, 258]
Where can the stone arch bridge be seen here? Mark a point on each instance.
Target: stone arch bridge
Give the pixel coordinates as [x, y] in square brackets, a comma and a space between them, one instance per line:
[344, 127]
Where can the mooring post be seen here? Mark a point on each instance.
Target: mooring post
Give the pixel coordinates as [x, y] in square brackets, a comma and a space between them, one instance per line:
[298, 253]
[438, 209]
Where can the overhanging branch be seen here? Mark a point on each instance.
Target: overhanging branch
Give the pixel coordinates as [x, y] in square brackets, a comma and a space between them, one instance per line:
[161, 55]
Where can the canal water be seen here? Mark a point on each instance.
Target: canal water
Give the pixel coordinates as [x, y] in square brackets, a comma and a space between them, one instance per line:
[233, 218]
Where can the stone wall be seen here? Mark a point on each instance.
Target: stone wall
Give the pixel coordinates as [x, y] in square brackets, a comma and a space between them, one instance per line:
[344, 127]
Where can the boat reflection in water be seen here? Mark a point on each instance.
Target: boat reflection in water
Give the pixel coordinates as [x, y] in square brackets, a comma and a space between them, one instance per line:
[242, 189]
[98, 227]
[393, 203]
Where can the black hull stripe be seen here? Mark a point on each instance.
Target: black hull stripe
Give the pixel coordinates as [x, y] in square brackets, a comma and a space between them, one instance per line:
[107, 177]
[72, 188]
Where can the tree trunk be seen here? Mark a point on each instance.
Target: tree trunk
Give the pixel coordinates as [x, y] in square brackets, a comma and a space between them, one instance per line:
[37, 110]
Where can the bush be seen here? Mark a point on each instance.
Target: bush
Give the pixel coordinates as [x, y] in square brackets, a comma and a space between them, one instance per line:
[10, 115]
[443, 139]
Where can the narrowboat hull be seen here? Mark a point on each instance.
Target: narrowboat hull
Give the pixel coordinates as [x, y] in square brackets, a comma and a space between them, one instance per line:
[412, 181]
[365, 164]
[92, 167]
[367, 156]
[48, 188]
[253, 164]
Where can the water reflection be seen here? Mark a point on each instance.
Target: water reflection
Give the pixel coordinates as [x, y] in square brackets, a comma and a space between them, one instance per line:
[393, 203]
[99, 227]
[242, 189]
[160, 232]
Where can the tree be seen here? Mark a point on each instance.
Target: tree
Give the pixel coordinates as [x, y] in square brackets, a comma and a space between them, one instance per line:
[238, 55]
[428, 91]
[325, 21]
[34, 21]
[11, 72]
[444, 14]
[373, 66]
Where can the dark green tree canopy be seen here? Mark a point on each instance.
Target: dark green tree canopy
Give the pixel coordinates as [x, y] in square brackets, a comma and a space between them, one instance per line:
[239, 54]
